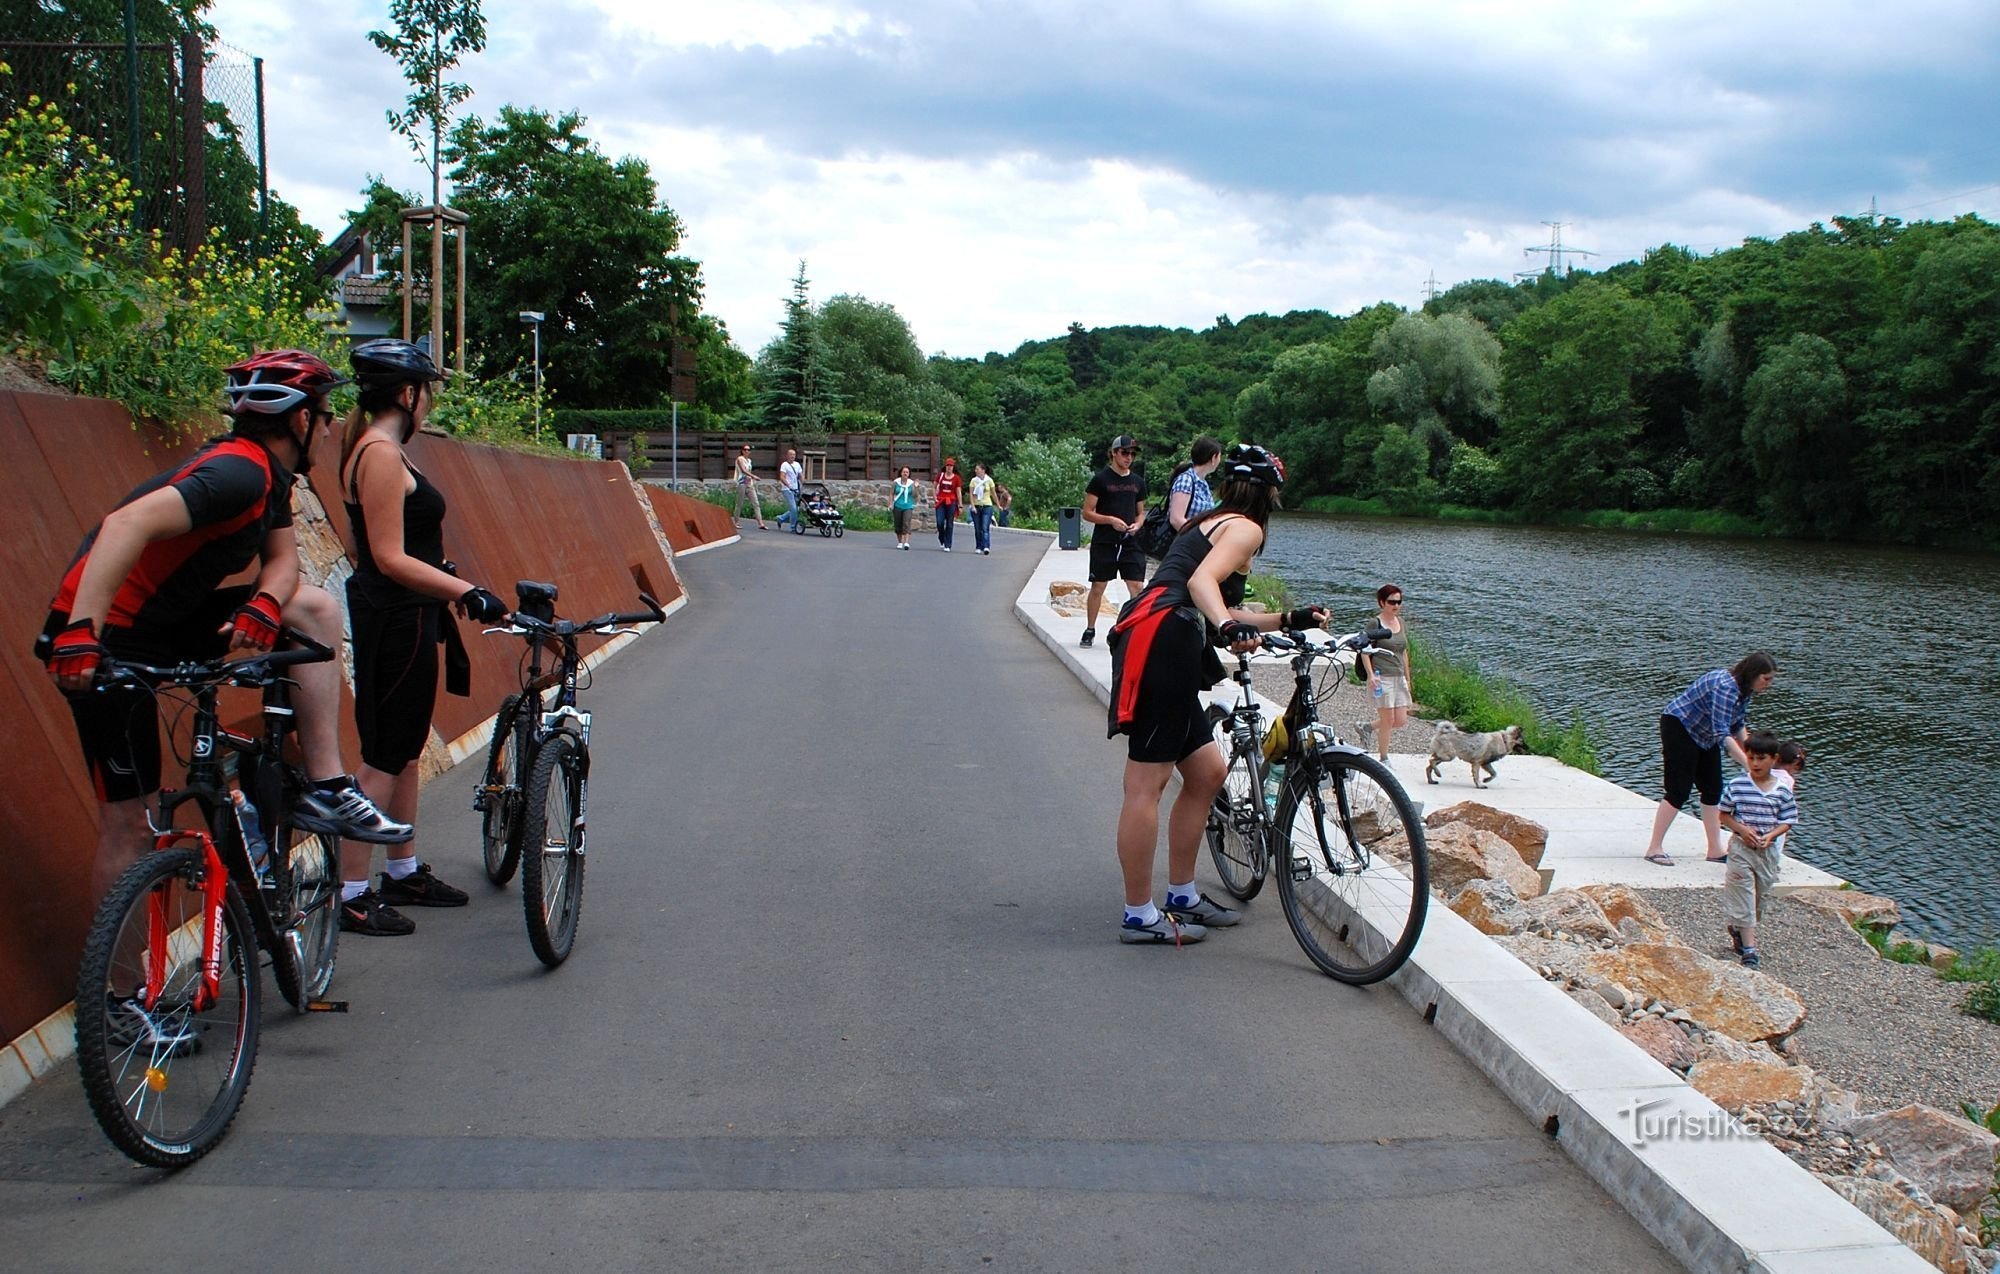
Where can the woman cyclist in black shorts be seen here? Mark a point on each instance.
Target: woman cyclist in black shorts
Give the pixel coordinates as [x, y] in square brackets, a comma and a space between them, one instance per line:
[396, 599]
[1160, 664]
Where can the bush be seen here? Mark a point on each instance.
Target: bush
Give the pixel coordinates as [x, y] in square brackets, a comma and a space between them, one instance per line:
[658, 421]
[1045, 476]
[111, 313]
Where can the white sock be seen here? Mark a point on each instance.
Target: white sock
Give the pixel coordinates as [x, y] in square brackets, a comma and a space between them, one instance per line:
[352, 889]
[1183, 895]
[398, 868]
[1144, 915]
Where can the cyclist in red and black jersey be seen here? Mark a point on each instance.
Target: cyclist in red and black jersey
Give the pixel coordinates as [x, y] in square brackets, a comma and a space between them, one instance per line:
[1159, 667]
[145, 586]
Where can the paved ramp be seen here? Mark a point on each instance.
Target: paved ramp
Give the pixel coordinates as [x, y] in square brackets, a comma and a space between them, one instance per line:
[847, 994]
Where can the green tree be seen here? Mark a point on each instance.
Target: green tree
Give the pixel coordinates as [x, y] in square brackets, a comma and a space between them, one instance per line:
[797, 388]
[1402, 470]
[1574, 371]
[1439, 379]
[430, 37]
[879, 368]
[1045, 476]
[1799, 439]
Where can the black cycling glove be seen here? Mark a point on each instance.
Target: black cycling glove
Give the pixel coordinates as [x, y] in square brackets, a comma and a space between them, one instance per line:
[1236, 630]
[1302, 618]
[483, 606]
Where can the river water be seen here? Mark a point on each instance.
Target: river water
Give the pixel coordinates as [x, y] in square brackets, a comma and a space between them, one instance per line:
[1890, 670]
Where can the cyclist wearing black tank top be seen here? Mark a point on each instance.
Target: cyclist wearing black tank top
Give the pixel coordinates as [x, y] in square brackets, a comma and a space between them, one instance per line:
[396, 600]
[145, 586]
[1159, 667]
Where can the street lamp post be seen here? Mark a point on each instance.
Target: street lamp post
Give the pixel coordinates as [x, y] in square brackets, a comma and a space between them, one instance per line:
[533, 318]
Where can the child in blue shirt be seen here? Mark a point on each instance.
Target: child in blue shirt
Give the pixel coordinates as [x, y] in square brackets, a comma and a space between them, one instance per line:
[1758, 810]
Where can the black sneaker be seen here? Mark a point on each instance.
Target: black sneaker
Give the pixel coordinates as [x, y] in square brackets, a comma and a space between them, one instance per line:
[367, 914]
[420, 889]
[1089, 636]
[340, 808]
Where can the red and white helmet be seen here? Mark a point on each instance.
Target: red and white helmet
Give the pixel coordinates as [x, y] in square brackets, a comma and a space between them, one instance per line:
[277, 382]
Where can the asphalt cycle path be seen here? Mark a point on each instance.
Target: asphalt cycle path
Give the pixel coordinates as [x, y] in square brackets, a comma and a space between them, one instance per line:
[847, 992]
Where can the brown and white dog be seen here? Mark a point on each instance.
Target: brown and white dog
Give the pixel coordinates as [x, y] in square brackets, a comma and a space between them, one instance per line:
[1479, 751]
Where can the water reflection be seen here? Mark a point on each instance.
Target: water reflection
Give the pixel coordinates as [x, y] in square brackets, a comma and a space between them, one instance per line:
[1890, 675]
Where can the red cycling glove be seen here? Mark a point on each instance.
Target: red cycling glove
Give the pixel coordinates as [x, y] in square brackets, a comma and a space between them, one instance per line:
[256, 622]
[77, 651]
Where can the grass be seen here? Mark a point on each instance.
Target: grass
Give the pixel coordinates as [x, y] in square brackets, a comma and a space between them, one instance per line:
[1456, 689]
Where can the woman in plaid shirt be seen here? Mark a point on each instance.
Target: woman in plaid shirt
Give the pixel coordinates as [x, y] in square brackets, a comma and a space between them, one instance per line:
[1694, 727]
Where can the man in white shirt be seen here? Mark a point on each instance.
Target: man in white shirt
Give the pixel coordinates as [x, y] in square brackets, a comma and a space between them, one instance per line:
[790, 473]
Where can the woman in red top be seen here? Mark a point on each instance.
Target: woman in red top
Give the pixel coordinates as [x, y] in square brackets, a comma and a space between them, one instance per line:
[947, 501]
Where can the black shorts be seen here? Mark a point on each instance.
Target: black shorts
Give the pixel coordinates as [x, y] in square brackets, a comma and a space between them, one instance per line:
[120, 727]
[1117, 558]
[1688, 766]
[1168, 722]
[395, 680]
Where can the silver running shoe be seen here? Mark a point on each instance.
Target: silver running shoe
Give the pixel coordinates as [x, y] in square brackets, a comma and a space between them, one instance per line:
[1204, 911]
[347, 811]
[1164, 929]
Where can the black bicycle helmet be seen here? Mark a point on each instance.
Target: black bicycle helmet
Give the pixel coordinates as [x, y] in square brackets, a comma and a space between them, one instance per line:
[387, 361]
[277, 382]
[1248, 462]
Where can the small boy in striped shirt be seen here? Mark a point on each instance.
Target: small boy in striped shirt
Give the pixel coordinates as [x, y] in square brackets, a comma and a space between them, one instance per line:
[1758, 810]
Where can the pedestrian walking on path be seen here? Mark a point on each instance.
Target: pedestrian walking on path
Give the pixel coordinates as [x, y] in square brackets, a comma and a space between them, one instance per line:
[746, 488]
[1115, 504]
[945, 502]
[790, 474]
[1695, 726]
[1390, 679]
[1161, 661]
[904, 507]
[979, 495]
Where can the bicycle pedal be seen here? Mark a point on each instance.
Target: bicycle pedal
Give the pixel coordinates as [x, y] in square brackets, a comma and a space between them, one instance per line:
[326, 1006]
[1302, 869]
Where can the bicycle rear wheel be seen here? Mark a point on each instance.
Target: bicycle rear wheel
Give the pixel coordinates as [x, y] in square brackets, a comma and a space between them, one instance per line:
[1238, 831]
[311, 921]
[500, 793]
[165, 1080]
[551, 842]
[1353, 872]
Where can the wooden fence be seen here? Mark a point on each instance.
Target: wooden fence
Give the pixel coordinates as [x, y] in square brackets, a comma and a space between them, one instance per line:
[836, 458]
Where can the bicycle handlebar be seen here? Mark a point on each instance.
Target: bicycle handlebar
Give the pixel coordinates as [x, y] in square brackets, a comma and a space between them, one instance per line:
[529, 625]
[258, 670]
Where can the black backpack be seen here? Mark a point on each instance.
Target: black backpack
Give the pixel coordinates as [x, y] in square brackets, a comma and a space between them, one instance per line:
[1156, 534]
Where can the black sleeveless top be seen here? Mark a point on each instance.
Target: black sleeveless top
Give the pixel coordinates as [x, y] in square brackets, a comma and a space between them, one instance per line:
[423, 539]
[1188, 551]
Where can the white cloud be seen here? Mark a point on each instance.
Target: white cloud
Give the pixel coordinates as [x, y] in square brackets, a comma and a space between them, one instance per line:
[996, 172]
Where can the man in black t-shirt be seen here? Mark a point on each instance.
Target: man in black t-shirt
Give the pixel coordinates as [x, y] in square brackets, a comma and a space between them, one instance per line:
[1115, 502]
[143, 586]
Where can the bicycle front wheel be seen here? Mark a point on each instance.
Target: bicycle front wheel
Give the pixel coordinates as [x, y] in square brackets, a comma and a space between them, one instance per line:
[311, 923]
[500, 793]
[1353, 872]
[551, 841]
[165, 1078]
[1238, 831]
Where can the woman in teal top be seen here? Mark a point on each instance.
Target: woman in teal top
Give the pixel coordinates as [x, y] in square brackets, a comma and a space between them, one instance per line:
[904, 507]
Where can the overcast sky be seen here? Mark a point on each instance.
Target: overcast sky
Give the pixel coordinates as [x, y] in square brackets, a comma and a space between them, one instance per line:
[996, 169]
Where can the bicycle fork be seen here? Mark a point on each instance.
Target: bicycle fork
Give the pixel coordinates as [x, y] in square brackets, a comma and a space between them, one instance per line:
[159, 938]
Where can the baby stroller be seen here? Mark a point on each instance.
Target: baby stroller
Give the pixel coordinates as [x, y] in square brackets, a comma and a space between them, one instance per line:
[817, 507]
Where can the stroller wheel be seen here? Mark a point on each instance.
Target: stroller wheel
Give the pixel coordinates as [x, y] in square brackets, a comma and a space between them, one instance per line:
[839, 529]
[825, 530]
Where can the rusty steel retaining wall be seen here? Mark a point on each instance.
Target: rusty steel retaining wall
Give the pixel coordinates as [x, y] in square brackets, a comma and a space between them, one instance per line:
[688, 523]
[65, 461]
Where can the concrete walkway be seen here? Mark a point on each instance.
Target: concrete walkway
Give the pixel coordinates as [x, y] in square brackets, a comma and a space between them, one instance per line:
[847, 995]
[1716, 1196]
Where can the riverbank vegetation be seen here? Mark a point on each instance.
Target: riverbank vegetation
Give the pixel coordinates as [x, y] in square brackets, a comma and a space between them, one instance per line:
[1456, 690]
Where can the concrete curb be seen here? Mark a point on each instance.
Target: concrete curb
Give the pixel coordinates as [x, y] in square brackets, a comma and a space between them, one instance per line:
[1715, 1196]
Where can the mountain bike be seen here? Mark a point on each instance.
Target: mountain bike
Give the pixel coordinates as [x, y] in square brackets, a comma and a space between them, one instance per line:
[532, 795]
[1345, 840]
[167, 1002]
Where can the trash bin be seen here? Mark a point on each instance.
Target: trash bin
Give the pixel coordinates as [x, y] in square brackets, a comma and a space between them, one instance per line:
[1069, 527]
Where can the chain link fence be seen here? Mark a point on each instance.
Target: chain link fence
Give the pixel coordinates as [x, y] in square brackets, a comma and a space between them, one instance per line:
[184, 118]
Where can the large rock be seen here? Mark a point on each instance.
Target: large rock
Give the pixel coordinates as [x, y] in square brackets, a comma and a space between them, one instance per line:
[1950, 1157]
[1722, 997]
[1851, 906]
[1564, 959]
[1734, 1085]
[1460, 855]
[1490, 907]
[1621, 903]
[1666, 1043]
[1923, 1230]
[1067, 592]
[1568, 912]
[1528, 837]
